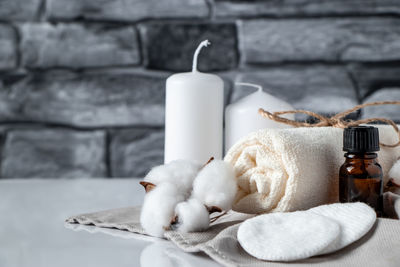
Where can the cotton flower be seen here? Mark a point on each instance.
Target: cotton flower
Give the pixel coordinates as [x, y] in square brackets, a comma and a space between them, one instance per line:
[184, 194]
[159, 208]
[192, 216]
[181, 173]
[394, 173]
[215, 185]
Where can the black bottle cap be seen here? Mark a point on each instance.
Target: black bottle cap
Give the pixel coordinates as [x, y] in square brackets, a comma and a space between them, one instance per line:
[361, 139]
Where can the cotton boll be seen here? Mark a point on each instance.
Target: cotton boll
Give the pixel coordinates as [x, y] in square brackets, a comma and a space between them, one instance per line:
[394, 173]
[215, 185]
[181, 173]
[158, 208]
[192, 216]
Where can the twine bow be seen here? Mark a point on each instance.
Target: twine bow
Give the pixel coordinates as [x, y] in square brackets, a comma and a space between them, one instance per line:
[334, 121]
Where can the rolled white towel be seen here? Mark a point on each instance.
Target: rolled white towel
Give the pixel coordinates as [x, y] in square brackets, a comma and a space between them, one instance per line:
[294, 169]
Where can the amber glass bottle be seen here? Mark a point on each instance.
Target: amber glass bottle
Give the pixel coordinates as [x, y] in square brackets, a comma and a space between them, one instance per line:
[360, 177]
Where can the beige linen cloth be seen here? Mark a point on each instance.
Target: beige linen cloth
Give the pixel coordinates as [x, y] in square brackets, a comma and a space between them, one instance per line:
[294, 169]
[380, 247]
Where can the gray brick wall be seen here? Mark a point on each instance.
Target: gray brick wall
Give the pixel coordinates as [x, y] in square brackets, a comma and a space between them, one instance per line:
[82, 82]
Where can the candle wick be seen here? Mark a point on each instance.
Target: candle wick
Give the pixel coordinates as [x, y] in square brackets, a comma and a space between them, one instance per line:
[205, 43]
[259, 87]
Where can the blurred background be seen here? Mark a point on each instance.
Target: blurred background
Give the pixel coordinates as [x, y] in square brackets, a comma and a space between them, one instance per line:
[82, 82]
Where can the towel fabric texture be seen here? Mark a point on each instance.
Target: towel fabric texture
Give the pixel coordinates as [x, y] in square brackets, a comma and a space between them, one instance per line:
[294, 169]
[379, 247]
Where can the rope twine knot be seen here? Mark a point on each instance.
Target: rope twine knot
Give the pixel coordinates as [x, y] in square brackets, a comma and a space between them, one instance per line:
[337, 120]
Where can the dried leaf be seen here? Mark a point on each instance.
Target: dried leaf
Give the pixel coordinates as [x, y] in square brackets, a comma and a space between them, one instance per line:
[213, 209]
[174, 219]
[211, 159]
[147, 186]
[213, 219]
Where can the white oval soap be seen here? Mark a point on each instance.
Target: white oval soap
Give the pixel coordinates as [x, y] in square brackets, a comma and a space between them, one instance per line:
[287, 236]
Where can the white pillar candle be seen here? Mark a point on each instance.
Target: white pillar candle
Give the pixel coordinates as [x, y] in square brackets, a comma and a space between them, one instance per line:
[242, 118]
[194, 115]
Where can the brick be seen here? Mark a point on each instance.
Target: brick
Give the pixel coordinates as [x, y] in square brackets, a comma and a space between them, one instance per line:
[243, 8]
[9, 98]
[170, 46]
[2, 138]
[324, 90]
[332, 40]
[18, 10]
[125, 10]
[77, 46]
[53, 153]
[385, 111]
[8, 44]
[85, 100]
[135, 151]
[370, 78]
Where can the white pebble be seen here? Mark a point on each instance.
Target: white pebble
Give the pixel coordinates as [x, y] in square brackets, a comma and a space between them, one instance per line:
[192, 216]
[394, 173]
[158, 208]
[215, 185]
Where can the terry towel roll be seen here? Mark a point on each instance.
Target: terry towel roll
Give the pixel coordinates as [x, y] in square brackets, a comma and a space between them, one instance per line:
[294, 169]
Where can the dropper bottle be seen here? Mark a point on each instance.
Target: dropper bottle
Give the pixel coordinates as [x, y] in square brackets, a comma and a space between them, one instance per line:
[360, 177]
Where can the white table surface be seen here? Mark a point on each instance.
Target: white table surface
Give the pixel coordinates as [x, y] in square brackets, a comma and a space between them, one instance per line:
[33, 232]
